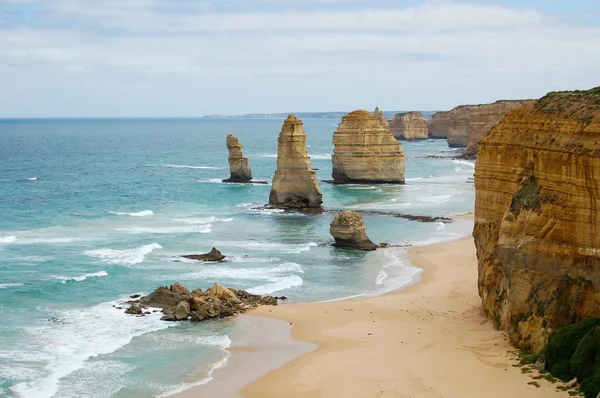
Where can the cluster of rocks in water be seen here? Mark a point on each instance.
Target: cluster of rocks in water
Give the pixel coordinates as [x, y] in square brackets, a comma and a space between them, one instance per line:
[179, 304]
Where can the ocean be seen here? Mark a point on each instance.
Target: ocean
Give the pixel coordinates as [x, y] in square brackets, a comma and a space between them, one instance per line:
[93, 211]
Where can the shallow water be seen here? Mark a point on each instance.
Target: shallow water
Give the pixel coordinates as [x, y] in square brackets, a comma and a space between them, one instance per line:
[96, 210]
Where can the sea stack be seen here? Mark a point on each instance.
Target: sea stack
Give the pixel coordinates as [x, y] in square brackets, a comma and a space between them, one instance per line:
[537, 218]
[409, 126]
[365, 152]
[439, 125]
[382, 119]
[295, 183]
[238, 163]
[348, 230]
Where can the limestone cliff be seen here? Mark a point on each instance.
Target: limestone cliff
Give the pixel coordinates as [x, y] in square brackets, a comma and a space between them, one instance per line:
[469, 123]
[238, 164]
[382, 119]
[537, 216]
[295, 183]
[439, 125]
[409, 126]
[365, 152]
[348, 230]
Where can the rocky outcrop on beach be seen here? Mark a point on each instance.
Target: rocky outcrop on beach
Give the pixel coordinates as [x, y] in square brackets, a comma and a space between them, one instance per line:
[409, 126]
[439, 125]
[382, 119]
[238, 164]
[469, 123]
[212, 256]
[365, 152]
[179, 304]
[537, 216]
[295, 183]
[348, 230]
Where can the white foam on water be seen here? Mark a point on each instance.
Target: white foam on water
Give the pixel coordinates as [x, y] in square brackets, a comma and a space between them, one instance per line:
[184, 166]
[84, 334]
[203, 229]
[246, 205]
[267, 155]
[194, 221]
[143, 213]
[325, 156]
[268, 246]
[42, 241]
[220, 272]
[279, 285]
[7, 285]
[81, 278]
[434, 199]
[381, 276]
[123, 257]
[211, 180]
[8, 239]
[464, 162]
[362, 187]
[32, 179]
[413, 179]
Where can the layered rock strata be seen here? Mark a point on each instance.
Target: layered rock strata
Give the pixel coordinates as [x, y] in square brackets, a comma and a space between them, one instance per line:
[382, 119]
[537, 216]
[348, 230]
[179, 304]
[409, 126]
[365, 152]
[295, 183]
[238, 164]
[439, 125]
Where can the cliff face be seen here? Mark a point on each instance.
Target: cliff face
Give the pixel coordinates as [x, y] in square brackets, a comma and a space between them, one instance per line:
[469, 123]
[382, 119]
[238, 163]
[409, 126]
[537, 216]
[365, 152]
[439, 125]
[295, 182]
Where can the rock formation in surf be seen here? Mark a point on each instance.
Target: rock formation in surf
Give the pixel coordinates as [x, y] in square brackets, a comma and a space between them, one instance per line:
[537, 216]
[238, 164]
[439, 125]
[409, 126]
[179, 304]
[348, 230]
[365, 152]
[382, 119]
[469, 123]
[295, 183]
[213, 256]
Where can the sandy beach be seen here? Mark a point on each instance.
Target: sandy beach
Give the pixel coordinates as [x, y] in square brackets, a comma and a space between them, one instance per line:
[428, 340]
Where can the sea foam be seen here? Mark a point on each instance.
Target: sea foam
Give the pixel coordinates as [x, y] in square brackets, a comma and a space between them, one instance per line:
[123, 257]
[143, 213]
[203, 229]
[65, 279]
[281, 284]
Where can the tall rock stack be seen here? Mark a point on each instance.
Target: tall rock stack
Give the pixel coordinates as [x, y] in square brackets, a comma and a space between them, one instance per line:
[238, 164]
[459, 126]
[382, 119]
[409, 126]
[365, 152]
[295, 182]
[439, 125]
[537, 216]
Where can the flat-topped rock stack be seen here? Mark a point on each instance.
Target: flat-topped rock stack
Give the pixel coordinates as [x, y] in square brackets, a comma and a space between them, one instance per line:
[295, 183]
[365, 152]
[238, 164]
[409, 126]
[439, 125]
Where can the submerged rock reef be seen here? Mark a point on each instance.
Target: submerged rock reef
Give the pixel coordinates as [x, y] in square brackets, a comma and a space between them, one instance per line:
[409, 126]
[295, 183]
[537, 216]
[238, 164]
[365, 152]
[179, 304]
[348, 230]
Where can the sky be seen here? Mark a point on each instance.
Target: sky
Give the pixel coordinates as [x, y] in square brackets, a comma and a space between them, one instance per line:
[189, 58]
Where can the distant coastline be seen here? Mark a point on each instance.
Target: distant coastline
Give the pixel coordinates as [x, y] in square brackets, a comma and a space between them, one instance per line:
[302, 115]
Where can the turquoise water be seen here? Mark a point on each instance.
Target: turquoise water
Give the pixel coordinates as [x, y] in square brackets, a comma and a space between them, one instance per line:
[96, 210]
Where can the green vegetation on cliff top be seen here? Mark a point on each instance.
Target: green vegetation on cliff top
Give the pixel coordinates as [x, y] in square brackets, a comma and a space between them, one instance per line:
[578, 105]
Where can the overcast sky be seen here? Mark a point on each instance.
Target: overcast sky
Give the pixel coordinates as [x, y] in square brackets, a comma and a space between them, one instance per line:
[160, 58]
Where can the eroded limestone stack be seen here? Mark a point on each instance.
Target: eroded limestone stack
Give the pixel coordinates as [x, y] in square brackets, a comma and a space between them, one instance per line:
[238, 164]
[439, 125]
[537, 216]
[348, 230]
[365, 152]
[295, 183]
[382, 119]
[409, 126]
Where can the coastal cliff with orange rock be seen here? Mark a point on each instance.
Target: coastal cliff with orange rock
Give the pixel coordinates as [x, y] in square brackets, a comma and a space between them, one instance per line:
[537, 216]
[409, 126]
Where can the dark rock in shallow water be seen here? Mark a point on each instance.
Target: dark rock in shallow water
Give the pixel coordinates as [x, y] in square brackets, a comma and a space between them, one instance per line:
[178, 303]
[134, 296]
[134, 310]
[214, 255]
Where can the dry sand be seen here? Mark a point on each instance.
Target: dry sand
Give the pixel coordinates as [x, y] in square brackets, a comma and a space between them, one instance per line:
[429, 340]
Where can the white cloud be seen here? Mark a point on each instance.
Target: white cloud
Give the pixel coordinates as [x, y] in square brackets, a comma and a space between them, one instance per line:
[142, 58]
